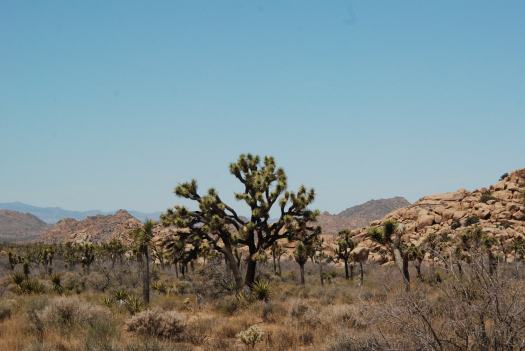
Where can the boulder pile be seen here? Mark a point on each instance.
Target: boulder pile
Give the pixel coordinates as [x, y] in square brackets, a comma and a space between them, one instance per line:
[499, 210]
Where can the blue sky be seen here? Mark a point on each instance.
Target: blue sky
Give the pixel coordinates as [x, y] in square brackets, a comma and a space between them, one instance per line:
[110, 104]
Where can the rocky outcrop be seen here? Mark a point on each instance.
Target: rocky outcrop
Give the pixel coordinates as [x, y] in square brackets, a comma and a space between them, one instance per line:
[94, 229]
[499, 210]
[360, 215]
[16, 227]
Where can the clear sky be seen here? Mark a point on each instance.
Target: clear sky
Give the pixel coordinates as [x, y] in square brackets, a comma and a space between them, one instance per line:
[109, 104]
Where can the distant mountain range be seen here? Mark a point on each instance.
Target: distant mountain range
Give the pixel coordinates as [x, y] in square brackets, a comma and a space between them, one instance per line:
[21, 222]
[52, 215]
[16, 227]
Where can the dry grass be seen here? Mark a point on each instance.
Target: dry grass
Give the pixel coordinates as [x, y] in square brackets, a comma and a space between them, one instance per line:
[337, 316]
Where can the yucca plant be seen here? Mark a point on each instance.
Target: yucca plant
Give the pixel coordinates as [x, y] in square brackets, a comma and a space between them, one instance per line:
[134, 304]
[56, 279]
[120, 295]
[261, 290]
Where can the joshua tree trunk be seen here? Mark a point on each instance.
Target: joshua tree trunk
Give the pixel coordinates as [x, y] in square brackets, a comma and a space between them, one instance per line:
[321, 275]
[361, 273]
[493, 263]
[417, 264]
[351, 271]
[346, 270]
[402, 263]
[301, 268]
[274, 263]
[250, 272]
[146, 278]
[279, 266]
[234, 268]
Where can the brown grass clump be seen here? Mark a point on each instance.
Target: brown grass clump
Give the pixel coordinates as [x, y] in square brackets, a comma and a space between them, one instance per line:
[158, 323]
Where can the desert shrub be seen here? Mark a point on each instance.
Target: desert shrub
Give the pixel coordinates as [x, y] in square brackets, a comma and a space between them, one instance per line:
[261, 290]
[157, 323]
[65, 313]
[100, 335]
[250, 336]
[455, 224]
[471, 220]
[184, 287]
[306, 337]
[299, 309]
[303, 313]
[5, 311]
[270, 310]
[197, 330]
[347, 343]
[486, 197]
[72, 281]
[503, 176]
[31, 286]
[97, 281]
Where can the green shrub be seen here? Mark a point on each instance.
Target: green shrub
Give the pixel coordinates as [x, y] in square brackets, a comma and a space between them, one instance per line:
[486, 197]
[250, 336]
[455, 224]
[471, 220]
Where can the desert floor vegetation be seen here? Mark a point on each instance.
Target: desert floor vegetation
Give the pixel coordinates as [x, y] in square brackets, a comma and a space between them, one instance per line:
[101, 309]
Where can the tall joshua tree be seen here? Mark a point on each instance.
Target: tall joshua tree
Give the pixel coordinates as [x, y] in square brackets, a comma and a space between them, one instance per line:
[264, 188]
[390, 236]
[344, 246]
[142, 240]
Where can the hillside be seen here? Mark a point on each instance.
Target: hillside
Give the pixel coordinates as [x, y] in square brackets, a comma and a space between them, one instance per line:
[20, 227]
[360, 215]
[498, 209]
[96, 229]
[52, 215]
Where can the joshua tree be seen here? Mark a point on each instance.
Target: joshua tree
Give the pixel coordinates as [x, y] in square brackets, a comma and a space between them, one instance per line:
[115, 249]
[182, 248]
[416, 254]
[142, 240]
[344, 245]
[305, 248]
[277, 253]
[391, 237]
[301, 257]
[264, 185]
[12, 260]
[88, 256]
[320, 256]
[360, 255]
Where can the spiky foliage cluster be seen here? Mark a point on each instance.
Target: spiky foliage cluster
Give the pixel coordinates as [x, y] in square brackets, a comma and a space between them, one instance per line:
[344, 245]
[383, 235]
[251, 336]
[261, 290]
[219, 225]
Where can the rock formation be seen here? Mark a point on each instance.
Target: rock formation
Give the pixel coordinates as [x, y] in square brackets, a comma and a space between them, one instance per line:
[499, 210]
[360, 215]
[94, 229]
